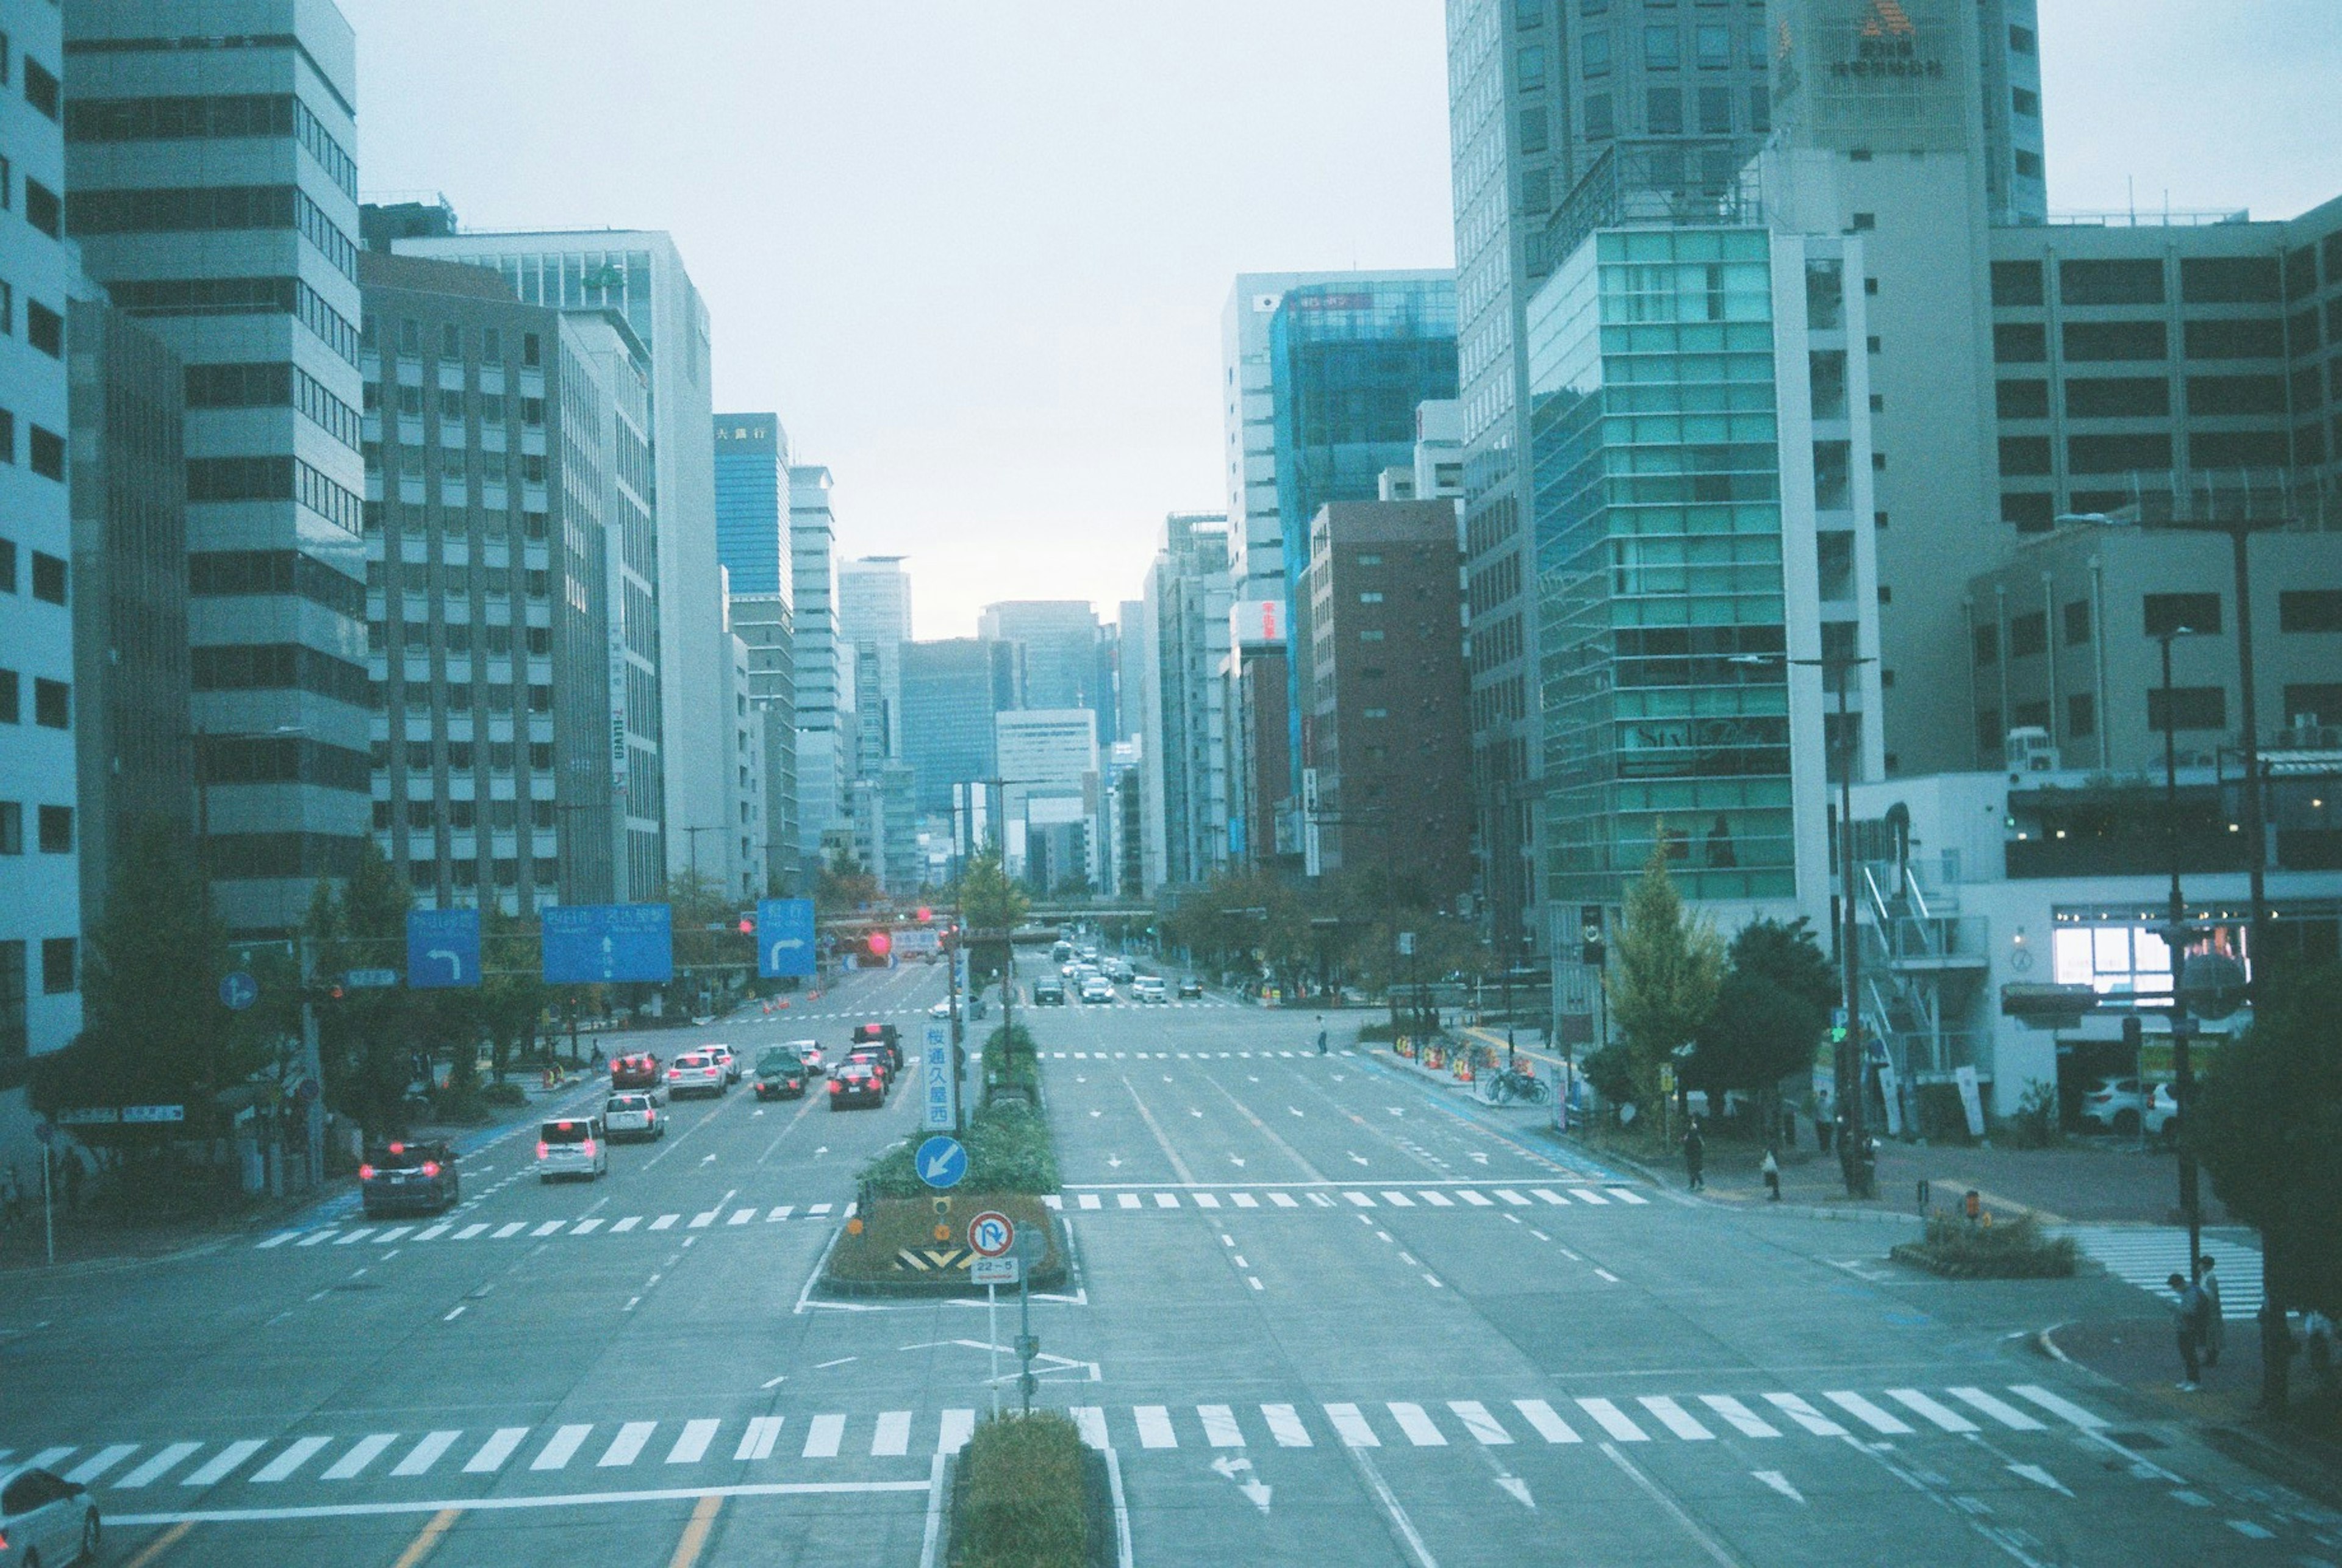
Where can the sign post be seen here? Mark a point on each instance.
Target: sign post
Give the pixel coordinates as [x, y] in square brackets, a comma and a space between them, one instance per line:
[443, 948]
[990, 1236]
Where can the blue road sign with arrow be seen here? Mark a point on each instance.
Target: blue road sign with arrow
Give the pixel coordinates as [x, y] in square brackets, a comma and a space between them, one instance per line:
[443, 948]
[784, 938]
[239, 991]
[942, 1162]
[590, 943]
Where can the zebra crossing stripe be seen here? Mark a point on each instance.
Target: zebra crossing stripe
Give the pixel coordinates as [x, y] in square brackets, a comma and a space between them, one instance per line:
[504, 1232]
[426, 1454]
[1361, 1199]
[1483, 1427]
[757, 1443]
[958, 1427]
[1155, 1426]
[1285, 1200]
[781, 1213]
[1417, 1426]
[1546, 1194]
[1742, 1420]
[1089, 1420]
[1438, 1200]
[1549, 1424]
[391, 1235]
[296, 1454]
[1399, 1199]
[1284, 1426]
[363, 1452]
[1805, 1415]
[627, 1446]
[313, 1237]
[468, 1232]
[1091, 1201]
[361, 1234]
[1207, 1201]
[701, 1221]
[562, 1449]
[1943, 1415]
[1999, 1410]
[693, 1444]
[628, 1223]
[435, 1232]
[821, 1435]
[1247, 1200]
[1220, 1429]
[893, 1435]
[1512, 1197]
[1675, 1418]
[1613, 1420]
[741, 1217]
[586, 1227]
[1351, 1427]
[664, 1222]
[278, 1240]
[1478, 1200]
[1628, 1195]
[49, 1458]
[1167, 1200]
[2057, 1406]
[1127, 1199]
[1589, 1196]
[98, 1464]
[550, 1227]
[495, 1451]
[1869, 1414]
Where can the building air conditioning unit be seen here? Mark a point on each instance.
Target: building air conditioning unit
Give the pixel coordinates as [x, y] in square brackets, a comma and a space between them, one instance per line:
[2029, 750]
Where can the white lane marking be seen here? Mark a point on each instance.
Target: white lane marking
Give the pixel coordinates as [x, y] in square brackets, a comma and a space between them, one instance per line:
[1127, 1199]
[1512, 1197]
[741, 1217]
[1478, 1200]
[701, 1221]
[1485, 1428]
[563, 1448]
[98, 1464]
[1167, 1200]
[1285, 1200]
[1549, 1425]
[432, 1232]
[1360, 1199]
[893, 1435]
[1090, 1421]
[586, 1227]
[1613, 1421]
[1437, 1200]
[1607, 1274]
[1675, 1418]
[1869, 1414]
[1399, 1199]
[1950, 1420]
[689, 1447]
[822, 1436]
[628, 1223]
[513, 1229]
[313, 1237]
[757, 1443]
[1155, 1426]
[361, 1234]
[426, 1454]
[1285, 1425]
[1744, 1420]
[665, 1221]
[782, 1212]
[495, 1451]
[1547, 1195]
[363, 1452]
[384, 1238]
[1805, 1415]
[294, 1456]
[2000, 1410]
[156, 1467]
[468, 1232]
[1351, 1427]
[1246, 1201]
[215, 1470]
[1220, 1429]
[1206, 1200]
[2058, 1406]
[1419, 1428]
[958, 1427]
[278, 1240]
[1589, 1196]
[500, 1505]
[1628, 1195]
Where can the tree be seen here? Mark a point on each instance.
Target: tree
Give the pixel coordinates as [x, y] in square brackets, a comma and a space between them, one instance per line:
[1768, 1014]
[1669, 966]
[512, 993]
[365, 1039]
[841, 883]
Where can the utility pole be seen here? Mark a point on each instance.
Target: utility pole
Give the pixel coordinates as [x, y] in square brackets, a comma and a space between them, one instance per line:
[2176, 937]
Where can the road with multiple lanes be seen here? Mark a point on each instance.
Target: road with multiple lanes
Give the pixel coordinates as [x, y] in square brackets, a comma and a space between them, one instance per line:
[1323, 1313]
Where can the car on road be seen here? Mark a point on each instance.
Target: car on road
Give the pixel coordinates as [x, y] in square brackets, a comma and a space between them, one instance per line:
[1118, 970]
[1191, 989]
[810, 1052]
[44, 1518]
[887, 1038]
[1097, 988]
[781, 1074]
[573, 1146]
[697, 1072]
[856, 1084]
[2114, 1104]
[873, 1058]
[2162, 1109]
[407, 1178]
[941, 1010]
[1048, 994]
[635, 1070]
[723, 1053]
[1149, 988]
[632, 1114]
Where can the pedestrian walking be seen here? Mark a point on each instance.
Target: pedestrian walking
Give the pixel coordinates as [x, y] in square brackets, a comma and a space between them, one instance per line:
[1321, 1035]
[2216, 1329]
[2188, 1312]
[1695, 1150]
[1772, 1170]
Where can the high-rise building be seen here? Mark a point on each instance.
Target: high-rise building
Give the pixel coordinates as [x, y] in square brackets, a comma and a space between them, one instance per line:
[129, 578]
[40, 872]
[1050, 795]
[1060, 640]
[640, 275]
[825, 701]
[748, 823]
[752, 483]
[951, 691]
[501, 459]
[754, 547]
[763, 623]
[215, 195]
[1190, 590]
[874, 619]
[1260, 741]
[1129, 687]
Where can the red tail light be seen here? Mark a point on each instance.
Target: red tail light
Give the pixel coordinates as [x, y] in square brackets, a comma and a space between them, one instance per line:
[543, 1148]
[589, 1148]
[398, 1148]
[836, 1084]
[366, 1172]
[430, 1167]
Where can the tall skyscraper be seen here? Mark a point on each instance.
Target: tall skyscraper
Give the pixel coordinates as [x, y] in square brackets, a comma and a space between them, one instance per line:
[1189, 589]
[764, 624]
[1060, 641]
[254, 286]
[640, 275]
[874, 618]
[825, 701]
[951, 690]
[752, 545]
[752, 527]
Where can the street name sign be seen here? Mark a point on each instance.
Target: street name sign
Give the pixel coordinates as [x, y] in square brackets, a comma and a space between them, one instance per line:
[942, 1162]
[784, 938]
[370, 979]
[942, 1084]
[443, 948]
[595, 943]
[153, 1113]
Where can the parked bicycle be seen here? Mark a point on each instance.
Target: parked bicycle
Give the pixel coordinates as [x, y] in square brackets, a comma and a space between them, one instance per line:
[1510, 1083]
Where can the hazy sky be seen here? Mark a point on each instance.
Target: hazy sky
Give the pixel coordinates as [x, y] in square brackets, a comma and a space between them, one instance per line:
[974, 253]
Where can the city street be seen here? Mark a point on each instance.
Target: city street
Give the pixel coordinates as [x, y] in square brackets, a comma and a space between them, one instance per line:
[1323, 1313]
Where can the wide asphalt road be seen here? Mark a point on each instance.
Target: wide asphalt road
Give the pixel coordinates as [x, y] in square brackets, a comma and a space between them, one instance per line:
[1325, 1313]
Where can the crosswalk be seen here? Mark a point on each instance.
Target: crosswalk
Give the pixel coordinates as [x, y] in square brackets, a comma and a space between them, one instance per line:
[459, 1230]
[2149, 1256]
[1177, 1055]
[591, 1447]
[1273, 1200]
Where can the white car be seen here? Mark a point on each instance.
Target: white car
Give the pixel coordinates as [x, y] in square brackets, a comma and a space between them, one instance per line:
[731, 1064]
[941, 1010]
[1149, 988]
[2162, 1107]
[2114, 1104]
[632, 1114]
[573, 1146]
[697, 1072]
[44, 1518]
[1096, 988]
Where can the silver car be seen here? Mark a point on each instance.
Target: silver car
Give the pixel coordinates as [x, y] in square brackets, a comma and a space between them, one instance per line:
[696, 1072]
[573, 1146]
[632, 1114]
[731, 1063]
[44, 1518]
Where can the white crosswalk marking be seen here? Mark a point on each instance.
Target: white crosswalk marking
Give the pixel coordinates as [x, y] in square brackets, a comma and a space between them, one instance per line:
[363, 1452]
[893, 1435]
[278, 1240]
[586, 1227]
[49, 1458]
[1155, 1426]
[1091, 1201]
[701, 1221]
[426, 1454]
[1284, 1200]
[628, 1223]
[2000, 1410]
[958, 1427]
[1220, 1429]
[1167, 1200]
[513, 1229]
[1512, 1197]
[782, 1212]
[757, 1443]
[495, 1451]
[742, 1217]
[1546, 1194]
[1206, 1200]
[550, 1227]
[1613, 1421]
[313, 1237]
[384, 1238]
[1805, 1415]
[1485, 1428]
[1675, 1418]
[432, 1232]
[689, 1447]
[1321, 1200]
[1399, 1199]
[98, 1464]
[1438, 1200]
[1127, 1199]
[1284, 1426]
[1247, 1200]
[1547, 1422]
[821, 1435]
[1589, 1196]
[294, 1456]
[468, 1232]
[1360, 1200]
[1869, 1414]
[2148, 1255]
[1478, 1200]
[1943, 1415]
[562, 1449]
[1417, 1426]
[1090, 1422]
[664, 1222]
[1742, 1420]
[1351, 1427]
[627, 1446]
[2059, 1406]
[1628, 1195]
[157, 1466]
[361, 1234]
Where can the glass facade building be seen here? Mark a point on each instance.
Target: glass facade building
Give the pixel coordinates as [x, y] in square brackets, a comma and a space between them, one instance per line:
[1661, 593]
[752, 482]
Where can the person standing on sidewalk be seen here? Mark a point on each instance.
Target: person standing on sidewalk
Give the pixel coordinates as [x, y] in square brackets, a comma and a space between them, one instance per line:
[1695, 1150]
[1772, 1172]
[2189, 1312]
[1321, 1035]
[2216, 1332]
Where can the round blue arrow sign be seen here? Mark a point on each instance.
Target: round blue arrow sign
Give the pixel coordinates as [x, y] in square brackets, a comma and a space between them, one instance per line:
[942, 1162]
[239, 991]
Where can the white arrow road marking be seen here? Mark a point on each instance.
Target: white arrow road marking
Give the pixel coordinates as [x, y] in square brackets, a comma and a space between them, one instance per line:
[1356, 1158]
[1476, 1154]
[1113, 1162]
[1519, 1490]
[1295, 1109]
[1237, 1160]
[1251, 1486]
[775, 1382]
[1192, 1112]
[2040, 1477]
[757, 1112]
[1778, 1482]
[1394, 1111]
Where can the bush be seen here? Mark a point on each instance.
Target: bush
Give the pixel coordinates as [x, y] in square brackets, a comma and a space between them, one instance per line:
[1022, 1500]
[2016, 1249]
[2035, 1125]
[1008, 1151]
[1611, 1072]
[503, 1095]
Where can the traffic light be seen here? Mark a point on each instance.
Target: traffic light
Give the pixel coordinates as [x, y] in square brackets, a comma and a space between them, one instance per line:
[878, 945]
[926, 915]
[1589, 920]
[747, 925]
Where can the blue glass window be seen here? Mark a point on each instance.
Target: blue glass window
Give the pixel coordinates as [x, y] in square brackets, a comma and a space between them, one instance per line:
[1532, 67]
[1662, 47]
[1594, 52]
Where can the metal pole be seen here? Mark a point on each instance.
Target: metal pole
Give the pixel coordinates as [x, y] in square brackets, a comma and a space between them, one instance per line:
[2176, 939]
[1853, 1078]
[48, 1202]
[1025, 1334]
[992, 1339]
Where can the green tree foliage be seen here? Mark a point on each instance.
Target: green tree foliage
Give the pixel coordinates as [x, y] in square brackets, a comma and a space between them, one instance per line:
[1787, 954]
[2267, 1125]
[366, 1039]
[513, 994]
[1769, 1012]
[989, 899]
[843, 884]
[1670, 967]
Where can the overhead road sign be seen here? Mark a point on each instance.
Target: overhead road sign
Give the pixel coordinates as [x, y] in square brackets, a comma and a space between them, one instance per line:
[785, 938]
[443, 948]
[597, 944]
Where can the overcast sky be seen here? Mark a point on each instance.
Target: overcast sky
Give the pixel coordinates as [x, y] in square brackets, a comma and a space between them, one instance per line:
[974, 253]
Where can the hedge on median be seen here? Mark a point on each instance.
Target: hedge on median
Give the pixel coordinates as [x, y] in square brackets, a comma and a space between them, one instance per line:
[2017, 1249]
[1022, 1497]
[1008, 1151]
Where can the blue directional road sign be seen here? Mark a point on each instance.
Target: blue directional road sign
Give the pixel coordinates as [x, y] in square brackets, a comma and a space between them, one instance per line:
[942, 1162]
[443, 948]
[239, 991]
[588, 944]
[784, 938]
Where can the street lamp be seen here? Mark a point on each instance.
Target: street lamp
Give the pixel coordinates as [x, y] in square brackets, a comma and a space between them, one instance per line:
[2175, 936]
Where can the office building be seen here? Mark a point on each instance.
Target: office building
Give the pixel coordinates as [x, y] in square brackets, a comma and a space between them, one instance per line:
[752, 796]
[1049, 798]
[1060, 639]
[214, 196]
[824, 699]
[1386, 742]
[1262, 826]
[503, 451]
[874, 619]
[1190, 590]
[133, 726]
[763, 623]
[885, 819]
[1122, 819]
[752, 483]
[951, 691]
[40, 868]
[640, 275]
[1129, 686]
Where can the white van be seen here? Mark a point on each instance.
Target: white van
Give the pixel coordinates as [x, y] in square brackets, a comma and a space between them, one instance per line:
[573, 1146]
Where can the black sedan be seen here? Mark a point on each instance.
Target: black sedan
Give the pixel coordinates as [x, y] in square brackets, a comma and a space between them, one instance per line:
[1191, 989]
[857, 1083]
[409, 1177]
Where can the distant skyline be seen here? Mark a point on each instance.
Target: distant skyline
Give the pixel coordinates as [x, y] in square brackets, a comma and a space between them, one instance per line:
[975, 257]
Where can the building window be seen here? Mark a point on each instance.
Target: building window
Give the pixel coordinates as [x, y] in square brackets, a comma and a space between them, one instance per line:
[2118, 397]
[52, 704]
[2309, 610]
[1531, 63]
[41, 87]
[2022, 399]
[2197, 613]
[532, 348]
[1986, 638]
[2189, 708]
[12, 707]
[2110, 282]
[2024, 455]
[44, 210]
[2087, 341]
[12, 827]
[1712, 41]
[1663, 111]
[2077, 622]
[60, 965]
[1534, 137]
[56, 829]
[1760, 107]
[47, 454]
[2016, 283]
[1714, 111]
[2024, 102]
[2240, 339]
[1593, 54]
[14, 1038]
[1662, 47]
[48, 578]
[2148, 453]
[2028, 634]
[2020, 342]
[2082, 714]
[1601, 124]
[2314, 703]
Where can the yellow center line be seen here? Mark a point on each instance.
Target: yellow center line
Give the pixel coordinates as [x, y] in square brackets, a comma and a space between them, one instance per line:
[695, 1534]
[160, 1544]
[423, 1545]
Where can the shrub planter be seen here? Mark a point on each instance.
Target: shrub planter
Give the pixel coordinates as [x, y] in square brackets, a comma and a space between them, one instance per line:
[895, 1251]
[1028, 1492]
[1961, 1249]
